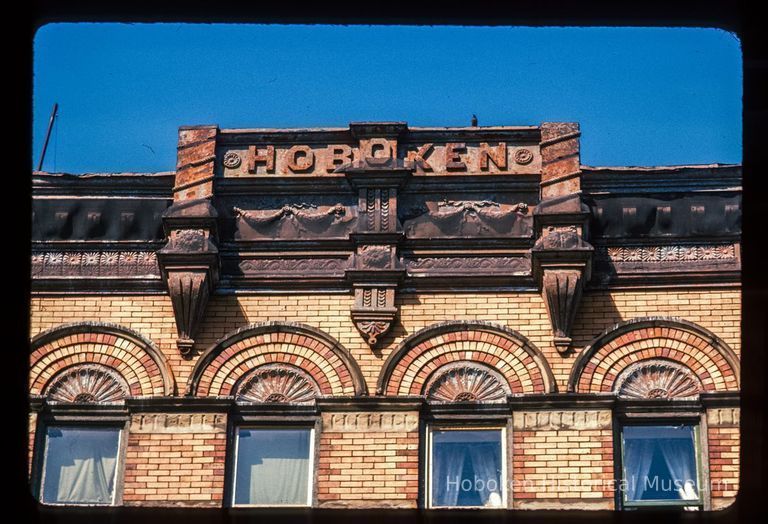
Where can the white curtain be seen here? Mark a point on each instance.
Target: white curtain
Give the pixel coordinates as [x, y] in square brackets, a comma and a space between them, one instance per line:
[279, 480]
[486, 461]
[447, 469]
[81, 470]
[638, 456]
[682, 467]
[273, 466]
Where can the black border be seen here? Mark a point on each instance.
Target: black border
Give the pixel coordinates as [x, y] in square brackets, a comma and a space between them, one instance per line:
[731, 16]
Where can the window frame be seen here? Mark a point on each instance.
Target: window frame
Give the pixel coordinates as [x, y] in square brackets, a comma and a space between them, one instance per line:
[82, 417]
[470, 426]
[699, 449]
[311, 426]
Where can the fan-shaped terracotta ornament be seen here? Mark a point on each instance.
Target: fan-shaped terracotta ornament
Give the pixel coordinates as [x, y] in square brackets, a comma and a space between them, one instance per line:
[656, 378]
[89, 384]
[467, 382]
[277, 383]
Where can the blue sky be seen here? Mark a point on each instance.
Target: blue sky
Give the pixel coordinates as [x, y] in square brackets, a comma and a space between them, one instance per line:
[643, 96]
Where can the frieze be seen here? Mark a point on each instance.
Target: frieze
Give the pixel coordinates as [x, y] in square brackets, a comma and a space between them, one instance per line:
[295, 221]
[94, 264]
[669, 253]
[464, 264]
[462, 218]
[178, 423]
[365, 422]
[561, 420]
[292, 265]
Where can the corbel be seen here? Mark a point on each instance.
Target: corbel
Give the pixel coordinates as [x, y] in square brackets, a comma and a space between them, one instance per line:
[189, 265]
[377, 270]
[562, 261]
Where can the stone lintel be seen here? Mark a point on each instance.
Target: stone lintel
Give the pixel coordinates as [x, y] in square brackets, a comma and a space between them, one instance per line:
[562, 420]
[178, 423]
[371, 422]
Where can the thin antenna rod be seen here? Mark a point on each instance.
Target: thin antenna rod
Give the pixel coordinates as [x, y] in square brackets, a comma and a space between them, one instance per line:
[47, 136]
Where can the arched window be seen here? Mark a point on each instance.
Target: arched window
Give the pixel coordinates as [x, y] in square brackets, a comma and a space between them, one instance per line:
[80, 377]
[275, 372]
[466, 371]
[664, 372]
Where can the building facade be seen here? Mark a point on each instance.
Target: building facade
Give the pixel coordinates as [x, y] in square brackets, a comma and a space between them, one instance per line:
[390, 317]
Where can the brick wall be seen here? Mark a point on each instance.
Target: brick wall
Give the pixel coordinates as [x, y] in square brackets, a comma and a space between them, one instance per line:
[718, 310]
[168, 465]
[367, 457]
[562, 460]
[723, 443]
[175, 460]
[151, 316]
[715, 309]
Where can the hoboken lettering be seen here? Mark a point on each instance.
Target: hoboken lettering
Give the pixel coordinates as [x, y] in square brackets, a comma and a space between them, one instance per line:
[423, 158]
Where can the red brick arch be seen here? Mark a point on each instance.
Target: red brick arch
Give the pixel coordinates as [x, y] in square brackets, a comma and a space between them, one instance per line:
[514, 357]
[709, 358]
[62, 348]
[330, 365]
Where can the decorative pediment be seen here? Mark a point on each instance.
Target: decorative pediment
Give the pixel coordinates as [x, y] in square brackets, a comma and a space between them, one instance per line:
[88, 384]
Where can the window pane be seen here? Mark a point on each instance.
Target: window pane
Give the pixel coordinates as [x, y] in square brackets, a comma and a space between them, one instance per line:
[660, 463]
[80, 465]
[272, 466]
[466, 468]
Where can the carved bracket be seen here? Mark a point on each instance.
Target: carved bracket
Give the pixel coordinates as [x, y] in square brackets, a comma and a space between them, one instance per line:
[374, 324]
[562, 293]
[189, 264]
[189, 290]
[375, 275]
[377, 269]
[562, 261]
